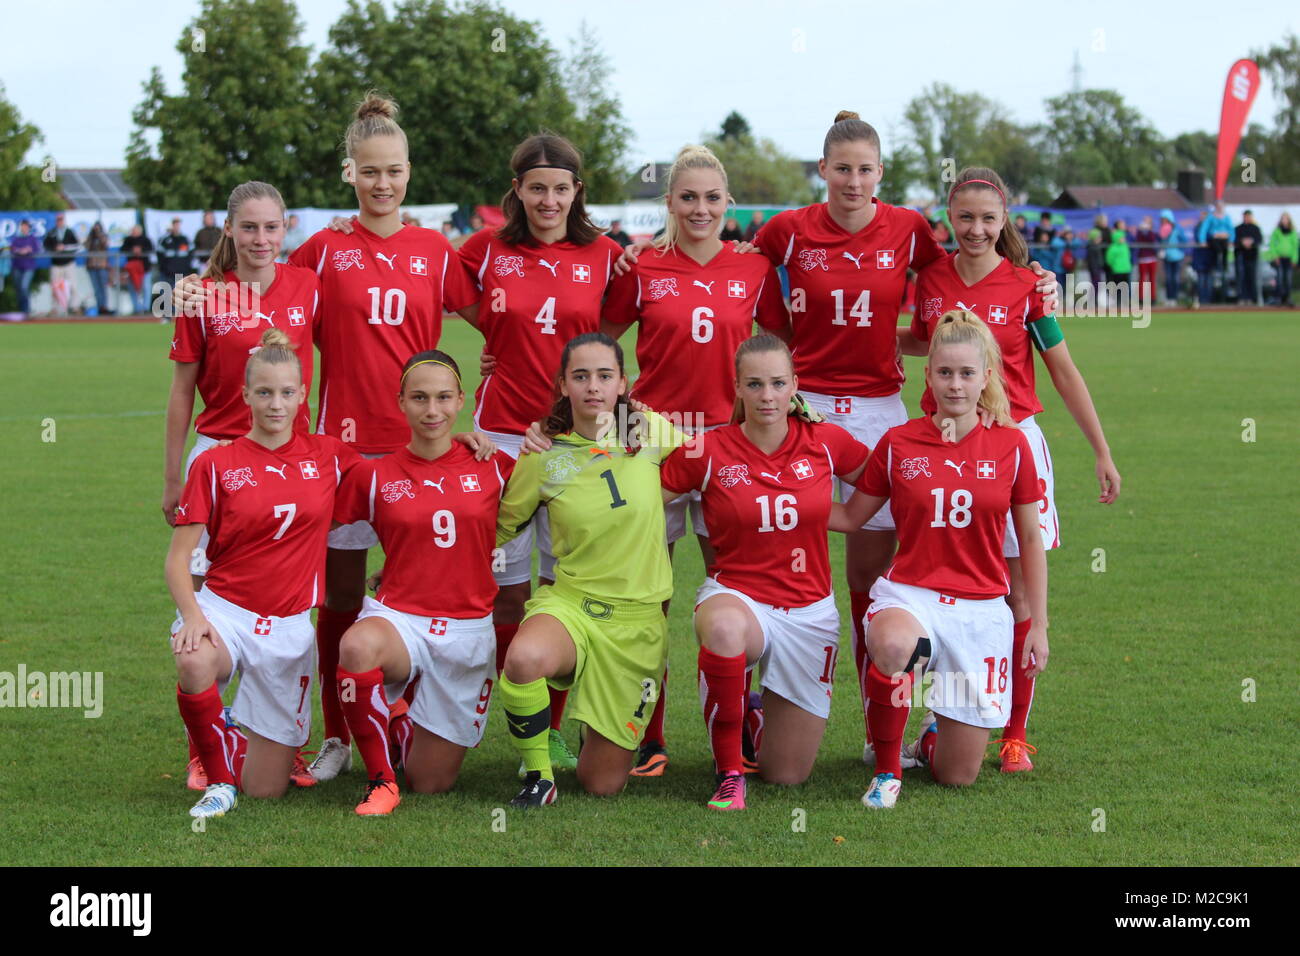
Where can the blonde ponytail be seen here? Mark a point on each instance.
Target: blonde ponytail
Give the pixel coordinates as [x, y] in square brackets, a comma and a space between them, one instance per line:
[959, 327]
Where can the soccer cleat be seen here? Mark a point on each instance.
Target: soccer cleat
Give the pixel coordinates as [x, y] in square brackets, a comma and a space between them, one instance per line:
[1015, 754]
[906, 760]
[562, 758]
[299, 775]
[651, 760]
[730, 794]
[751, 731]
[929, 725]
[381, 799]
[217, 800]
[537, 792]
[883, 792]
[196, 778]
[335, 757]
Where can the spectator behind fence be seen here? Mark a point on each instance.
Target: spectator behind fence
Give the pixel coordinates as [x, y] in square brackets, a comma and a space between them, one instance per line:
[1246, 248]
[63, 270]
[755, 224]
[294, 236]
[205, 240]
[1022, 227]
[97, 266]
[138, 250]
[1216, 232]
[174, 258]
[1119, 255]
[449, 230]
[939, 229]
[1096, 252]
[1203, 260]
[618, 235]
[731, 230]
[24, 248]
[1148, 259]
[1283, 250]
[1063, 246]
[1173, 254]
[1042, 249]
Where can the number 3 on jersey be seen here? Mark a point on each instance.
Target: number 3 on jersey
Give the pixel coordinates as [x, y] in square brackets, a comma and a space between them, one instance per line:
[394, 301]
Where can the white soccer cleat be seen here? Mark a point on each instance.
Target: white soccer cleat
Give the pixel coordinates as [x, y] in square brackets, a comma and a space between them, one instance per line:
[906, 759]
[883, 792]
[216, 801]
[335, 757]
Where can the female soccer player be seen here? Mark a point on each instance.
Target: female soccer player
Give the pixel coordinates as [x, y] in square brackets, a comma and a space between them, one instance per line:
[434, 508]
[685, 364]
[942, 602]
[987, 275]
[600, 627]
[266, 499]
[243, 293]
[766, 484]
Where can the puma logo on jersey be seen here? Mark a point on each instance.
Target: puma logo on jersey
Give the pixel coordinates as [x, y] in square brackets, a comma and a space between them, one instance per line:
[181, 509]
[436, 484]
[550, 266]
[662, 287]
[955, 467]
[776, 477]
[173, 345]
[932, 309]
[345, 259]
[225, 322]
[856, 260]
[509, 265]
[235, 478]
[394, 491]
[388, 259]
[810, 259]
[963, 305]
[706, 286]
[258, 317]
[277, 471]
[914, 467]
[732, 475]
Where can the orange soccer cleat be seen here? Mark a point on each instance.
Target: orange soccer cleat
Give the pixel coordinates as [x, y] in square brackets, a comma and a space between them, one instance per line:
[1015, 755]
[299, 775]
[196, 778]
[382, 798]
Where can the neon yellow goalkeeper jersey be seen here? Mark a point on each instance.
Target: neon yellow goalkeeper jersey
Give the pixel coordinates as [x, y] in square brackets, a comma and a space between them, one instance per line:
[606, 512]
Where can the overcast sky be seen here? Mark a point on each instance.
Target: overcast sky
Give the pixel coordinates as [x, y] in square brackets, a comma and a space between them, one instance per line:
[75, 67]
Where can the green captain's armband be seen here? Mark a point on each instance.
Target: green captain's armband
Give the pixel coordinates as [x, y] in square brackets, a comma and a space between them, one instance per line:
[1046, 332]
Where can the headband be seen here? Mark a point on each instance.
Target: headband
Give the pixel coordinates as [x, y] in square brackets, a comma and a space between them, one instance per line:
[980, 182]
[567, 169]
[433, 362]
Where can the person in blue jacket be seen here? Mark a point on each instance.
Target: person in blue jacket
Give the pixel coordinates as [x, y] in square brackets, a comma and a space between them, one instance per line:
[1173, 255]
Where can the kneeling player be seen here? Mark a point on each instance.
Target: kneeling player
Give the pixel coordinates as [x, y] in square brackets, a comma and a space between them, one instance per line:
[429, 633]
[266, 500]
[941, 604]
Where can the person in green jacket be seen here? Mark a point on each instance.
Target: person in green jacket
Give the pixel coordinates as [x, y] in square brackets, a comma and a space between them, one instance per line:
[1119, 257]
[1283, 250]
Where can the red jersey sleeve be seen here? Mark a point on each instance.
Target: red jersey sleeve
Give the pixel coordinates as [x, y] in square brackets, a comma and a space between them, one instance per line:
[928, 249]
[472, 254]
[187, 344]
[459, 289]
[352, 501]
[620, 305]
[847, 453]
[686, 468]
[308, 255]
[1025, 490]
[770, 311]
[774, 236]
[919, 329]
[875, 477]
[196, 504]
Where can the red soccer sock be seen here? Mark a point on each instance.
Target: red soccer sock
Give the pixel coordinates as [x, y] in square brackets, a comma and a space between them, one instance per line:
[207, 728]
[654, 731]
[330, 628]
[1022, 686]
[505, 634]
[400, 732]
[237, 747]
[367, 717]
[194, 751]
[558, 697]
[927, 749]
[859, 601]
[889, 702]
[722, 691]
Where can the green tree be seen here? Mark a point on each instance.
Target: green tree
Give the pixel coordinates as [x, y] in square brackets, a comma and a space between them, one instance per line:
[1281, 64]
[241, 113]
[1094, 138]
[1194, 150]
[904, 170]
[22, 186]
[598, 128]
[759, 173]
[735, 127]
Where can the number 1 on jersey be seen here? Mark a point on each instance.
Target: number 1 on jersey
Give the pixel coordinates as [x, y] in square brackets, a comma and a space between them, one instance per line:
[619, 501]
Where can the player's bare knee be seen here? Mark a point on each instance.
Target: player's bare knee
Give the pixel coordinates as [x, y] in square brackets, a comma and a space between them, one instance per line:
[724, 635]
[784, 776]
[956, 776]
[265, 789]
[602, 784]
[890, 651]
[431, 782]
[358, 652]
[525, 662]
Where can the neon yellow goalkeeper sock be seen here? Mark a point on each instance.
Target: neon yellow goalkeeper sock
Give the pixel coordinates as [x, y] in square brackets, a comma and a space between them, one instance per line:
[528, 716]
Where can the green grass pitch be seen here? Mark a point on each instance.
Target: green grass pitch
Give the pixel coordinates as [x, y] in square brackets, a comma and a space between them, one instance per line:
[1149, 755]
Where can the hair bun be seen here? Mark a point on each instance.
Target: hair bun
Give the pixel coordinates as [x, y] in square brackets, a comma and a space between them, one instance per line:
[843, 115]
[277, 338]
[376, 105]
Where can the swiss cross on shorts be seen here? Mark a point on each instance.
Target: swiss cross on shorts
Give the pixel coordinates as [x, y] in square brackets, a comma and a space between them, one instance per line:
[997, 315]
[947, 599]
[419, 266]
[736, 288]
[438, 627]
[885, 259]
[581, 273]
[308, 468]
[986, 469]
[296, 316]
[469, 483]
[843, 406]
[262, 627]
[802, 469]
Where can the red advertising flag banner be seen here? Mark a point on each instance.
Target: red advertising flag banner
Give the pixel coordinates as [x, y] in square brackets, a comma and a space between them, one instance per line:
[1238, 94]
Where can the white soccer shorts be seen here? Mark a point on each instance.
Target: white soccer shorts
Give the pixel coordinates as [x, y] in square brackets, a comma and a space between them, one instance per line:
[867, 420]
[1049, 523]
[518, 552]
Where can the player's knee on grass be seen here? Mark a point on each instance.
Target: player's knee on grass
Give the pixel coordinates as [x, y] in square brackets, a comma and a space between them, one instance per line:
[431, 779]
[784, 774]
[956, 773]
[602, 782]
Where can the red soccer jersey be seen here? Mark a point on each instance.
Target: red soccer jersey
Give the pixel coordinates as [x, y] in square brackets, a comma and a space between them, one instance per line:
[1005, 299]
[533, 299]
[767, 514]
[949, 502]
[693, 318]
[222, 341]
[846, 291]
[437, 522]
[382, 301]
[268, 514]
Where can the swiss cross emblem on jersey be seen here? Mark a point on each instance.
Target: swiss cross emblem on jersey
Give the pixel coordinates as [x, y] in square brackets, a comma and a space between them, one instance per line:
[581, 272]
[469, 483]
[296, 316]
[262, 627]
[885, 259]
[947, 599]
[986, 469]
[736, 288]
[419, 266]
[438, 627]
[308, 468]
[997, 315]
[843, 406]
[802, 469]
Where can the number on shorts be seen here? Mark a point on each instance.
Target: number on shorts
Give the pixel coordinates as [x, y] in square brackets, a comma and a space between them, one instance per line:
[1002, 675]
[305, 681]
[861, 309]
[287, 511]
[394, 306]
[619, 501]
[484, 696]
[787, 517]
[832, 655]
[959, 516]
[546, 317]
[444, 528]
